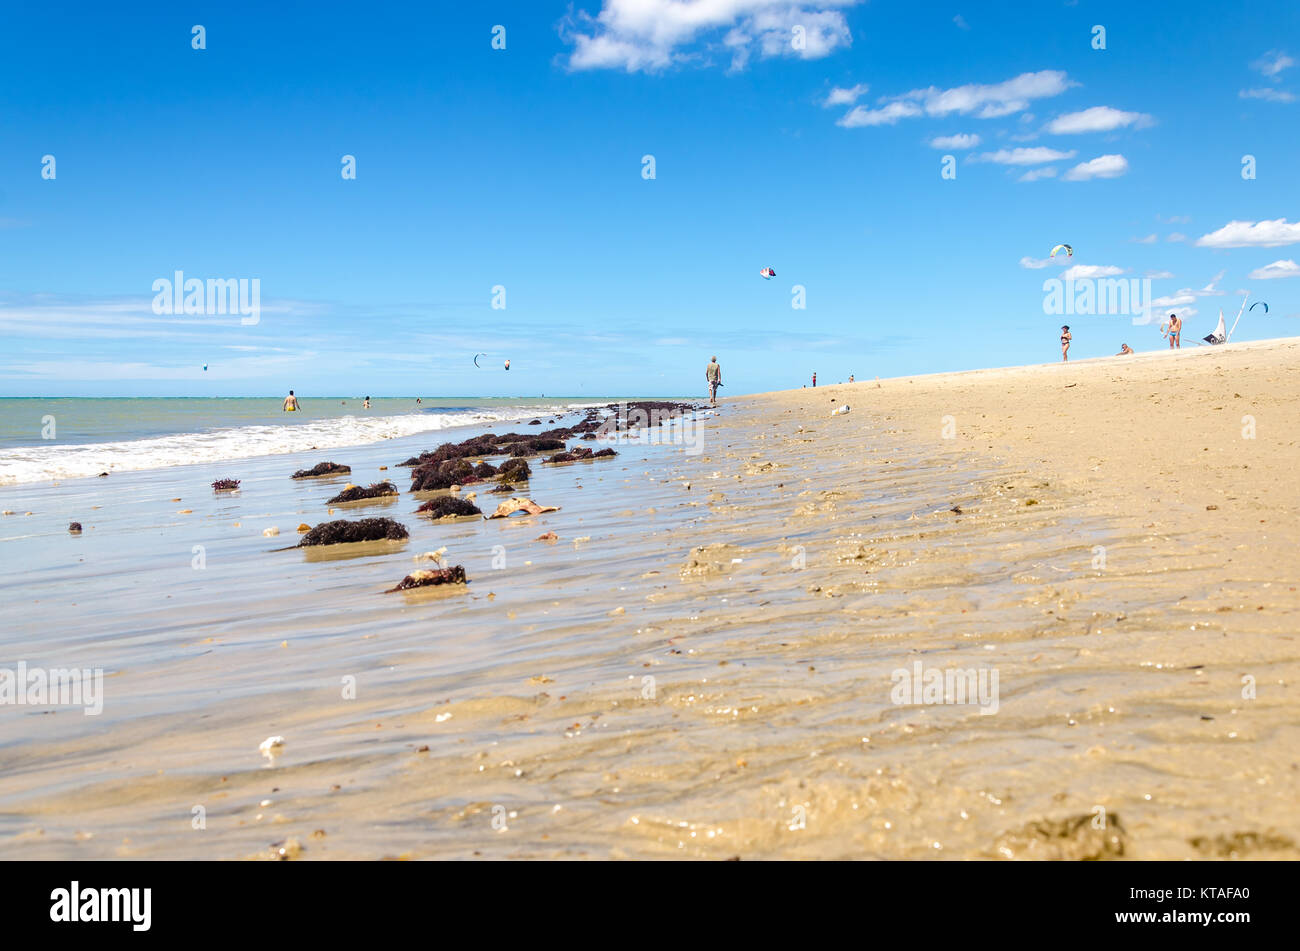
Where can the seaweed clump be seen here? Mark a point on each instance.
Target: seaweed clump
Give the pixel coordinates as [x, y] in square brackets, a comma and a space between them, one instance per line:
[448, 507]
[355, 493]
[366, 530]
[420, 579]
[580, 454]
[225, 485]
[514, 470]
[442, 475]
[324, 469]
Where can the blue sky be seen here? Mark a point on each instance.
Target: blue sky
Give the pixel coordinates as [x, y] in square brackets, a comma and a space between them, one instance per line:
[800, 136]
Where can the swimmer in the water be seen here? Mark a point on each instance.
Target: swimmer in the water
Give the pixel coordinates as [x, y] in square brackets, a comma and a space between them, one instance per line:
[291, 403]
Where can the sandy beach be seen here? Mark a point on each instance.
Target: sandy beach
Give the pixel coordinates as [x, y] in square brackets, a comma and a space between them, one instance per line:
[703, 662]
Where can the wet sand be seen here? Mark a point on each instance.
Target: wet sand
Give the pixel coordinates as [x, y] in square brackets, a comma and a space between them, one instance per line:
[701, 664]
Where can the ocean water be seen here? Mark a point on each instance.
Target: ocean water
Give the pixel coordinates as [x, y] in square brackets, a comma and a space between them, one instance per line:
[44, 439]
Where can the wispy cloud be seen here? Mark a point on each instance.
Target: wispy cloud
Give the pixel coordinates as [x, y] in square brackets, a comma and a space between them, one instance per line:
[1268, 272]
[1085, 271]
[1103, 166]
[1252, 234]
[650, 35]
[1035, 174]
[962, 140]
[845, 95]
[1271, 95]
[1097, 119]
[1272, 64]
[1037, 155]
[980, 100]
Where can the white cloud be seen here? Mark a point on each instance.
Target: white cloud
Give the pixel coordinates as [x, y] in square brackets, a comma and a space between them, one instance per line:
[1272, 63]
[1024, 156]
[1272, 95]
[961, 22]
[1103, 166]
[1085, 271]
[845, 96]
[1159, 275]
[984, 101]
[1034, 174]
[649, 35]
[887, 115]
[1176, 236]
[1252, 234]
[1097, 119]
[1287, 268]
[1149, 239]
[962, 140]
[1035, 264]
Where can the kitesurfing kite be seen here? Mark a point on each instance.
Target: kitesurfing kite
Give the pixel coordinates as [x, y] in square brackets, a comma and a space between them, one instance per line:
[767, 273]
[476, 356]
[1069, 251]
[1259, 303]
[205, 368]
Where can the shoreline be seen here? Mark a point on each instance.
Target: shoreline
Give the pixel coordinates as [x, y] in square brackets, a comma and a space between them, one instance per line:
[771, 587]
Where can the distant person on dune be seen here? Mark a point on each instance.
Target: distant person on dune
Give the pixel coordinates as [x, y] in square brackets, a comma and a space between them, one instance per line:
[1066, 337]
[1124, 348]
[713, 374]
[291, 403]
[814, 379]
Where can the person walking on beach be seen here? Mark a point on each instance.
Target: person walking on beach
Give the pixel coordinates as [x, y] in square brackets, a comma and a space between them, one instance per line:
[1066, 337]
[291, 403]
[814, 379]
[713, 373]
[1175, 331]
[850, 377]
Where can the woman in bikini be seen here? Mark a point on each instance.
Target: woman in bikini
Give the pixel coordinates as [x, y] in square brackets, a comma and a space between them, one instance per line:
[1066, 337]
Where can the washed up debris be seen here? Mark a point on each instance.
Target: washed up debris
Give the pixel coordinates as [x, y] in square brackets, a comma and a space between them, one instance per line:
[225, 485]
[74, 528]
[549, 537]
[324, 469]
[448, 507]
[580, 454]
[512, 505]
[271, 532]
[427, 577]
[365, 530]
[514, 470]
[303, 527]
[354, 493]
[840, 411]
[442, 475]
[432, 555]
[271, 746]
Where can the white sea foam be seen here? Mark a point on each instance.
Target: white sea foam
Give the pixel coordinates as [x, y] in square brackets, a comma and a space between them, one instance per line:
[39, 463]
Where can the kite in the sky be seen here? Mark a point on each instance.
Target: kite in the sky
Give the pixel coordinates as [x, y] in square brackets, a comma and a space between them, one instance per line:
[507, 364]
[1259, 303]
[476, 356]
[1069, 251]
[767, 273]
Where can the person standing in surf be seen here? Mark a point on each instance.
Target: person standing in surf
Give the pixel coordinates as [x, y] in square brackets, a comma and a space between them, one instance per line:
[291, 403]
[1175, 332]
[713, 374]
